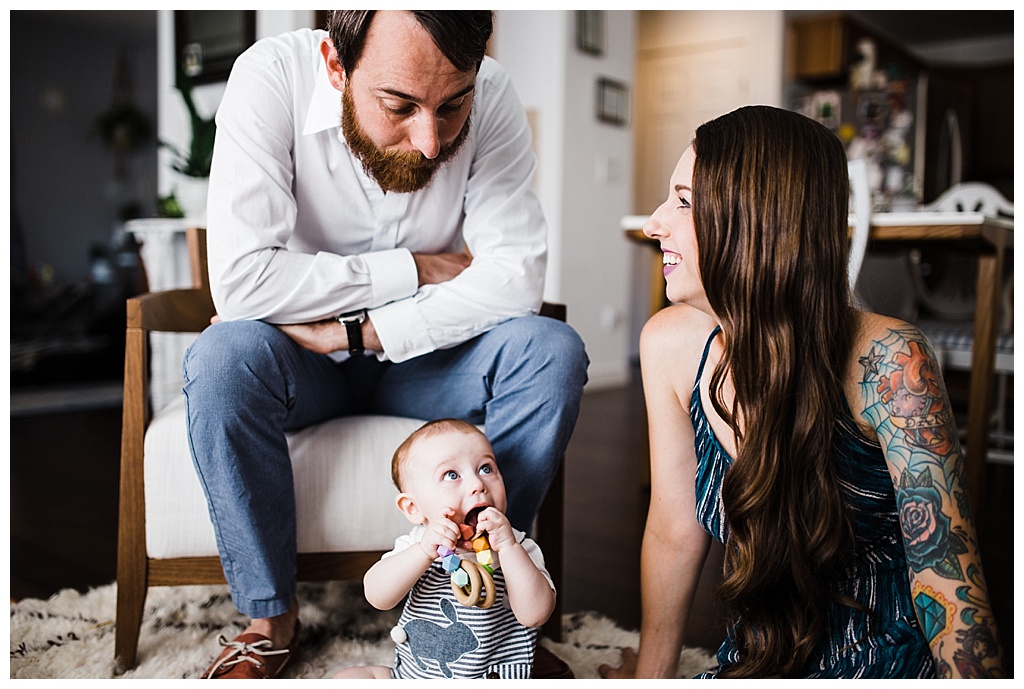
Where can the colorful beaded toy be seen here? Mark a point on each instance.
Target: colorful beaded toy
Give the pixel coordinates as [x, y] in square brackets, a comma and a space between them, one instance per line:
[472, 582]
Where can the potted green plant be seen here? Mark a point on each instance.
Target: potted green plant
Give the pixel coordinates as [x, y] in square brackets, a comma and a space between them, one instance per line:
[192, 163]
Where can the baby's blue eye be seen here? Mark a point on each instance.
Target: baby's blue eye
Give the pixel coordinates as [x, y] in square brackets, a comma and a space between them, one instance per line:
[451, 476]
[486, 469]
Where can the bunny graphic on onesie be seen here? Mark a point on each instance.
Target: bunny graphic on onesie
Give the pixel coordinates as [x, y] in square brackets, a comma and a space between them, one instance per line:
[445, 639]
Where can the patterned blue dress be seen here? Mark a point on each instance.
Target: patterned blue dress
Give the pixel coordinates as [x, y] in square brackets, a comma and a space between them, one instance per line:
[889, 641]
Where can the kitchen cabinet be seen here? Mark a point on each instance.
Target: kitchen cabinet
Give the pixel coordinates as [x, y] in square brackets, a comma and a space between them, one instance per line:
[819, 48]
[824, 47]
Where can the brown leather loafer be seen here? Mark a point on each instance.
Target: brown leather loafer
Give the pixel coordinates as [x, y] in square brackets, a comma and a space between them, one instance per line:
[251, 656]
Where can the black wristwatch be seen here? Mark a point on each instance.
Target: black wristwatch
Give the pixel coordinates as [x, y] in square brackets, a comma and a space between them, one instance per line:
[353, 322]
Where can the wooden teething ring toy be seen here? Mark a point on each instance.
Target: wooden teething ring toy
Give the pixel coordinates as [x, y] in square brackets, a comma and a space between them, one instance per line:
[480, 590]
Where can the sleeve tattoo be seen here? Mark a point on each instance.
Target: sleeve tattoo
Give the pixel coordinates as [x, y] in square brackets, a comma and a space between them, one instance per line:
[906, 401]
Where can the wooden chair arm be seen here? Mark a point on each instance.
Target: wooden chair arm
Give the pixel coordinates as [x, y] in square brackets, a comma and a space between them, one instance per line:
[553, 310]
[177, 310]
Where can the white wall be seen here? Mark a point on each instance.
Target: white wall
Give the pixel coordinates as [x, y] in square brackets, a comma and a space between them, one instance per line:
[585, 171]
[539, 78]
[598, 188]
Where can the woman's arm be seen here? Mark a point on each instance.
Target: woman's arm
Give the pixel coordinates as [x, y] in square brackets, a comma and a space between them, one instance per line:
[671, 560]
[905, 400]
[674, 544]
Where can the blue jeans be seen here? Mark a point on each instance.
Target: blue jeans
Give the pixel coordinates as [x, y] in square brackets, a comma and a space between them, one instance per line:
[247, 383]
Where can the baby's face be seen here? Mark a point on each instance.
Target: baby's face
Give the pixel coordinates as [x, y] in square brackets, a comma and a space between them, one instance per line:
[455, 471]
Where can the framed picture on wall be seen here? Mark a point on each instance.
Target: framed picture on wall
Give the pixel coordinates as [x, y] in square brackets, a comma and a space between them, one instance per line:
[590, 31]
[612, 101]
[207, 42]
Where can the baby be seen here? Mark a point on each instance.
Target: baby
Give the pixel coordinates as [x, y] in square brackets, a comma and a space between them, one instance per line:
[450, 488]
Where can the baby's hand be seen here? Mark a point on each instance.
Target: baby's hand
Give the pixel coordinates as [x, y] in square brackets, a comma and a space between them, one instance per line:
[498, 528]
[440, 532]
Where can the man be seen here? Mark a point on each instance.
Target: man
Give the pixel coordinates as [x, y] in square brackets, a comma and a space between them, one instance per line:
[374, 247]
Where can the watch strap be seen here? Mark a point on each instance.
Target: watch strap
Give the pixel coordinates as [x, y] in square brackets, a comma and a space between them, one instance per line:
[353, 323]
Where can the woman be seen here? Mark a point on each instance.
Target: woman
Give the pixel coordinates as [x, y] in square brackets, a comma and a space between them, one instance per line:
[814, 440]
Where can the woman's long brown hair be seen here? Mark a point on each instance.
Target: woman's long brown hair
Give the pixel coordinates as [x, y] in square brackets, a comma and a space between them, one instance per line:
[770, 199]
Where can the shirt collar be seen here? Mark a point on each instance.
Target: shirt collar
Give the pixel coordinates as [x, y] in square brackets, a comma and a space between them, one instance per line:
[325, 105]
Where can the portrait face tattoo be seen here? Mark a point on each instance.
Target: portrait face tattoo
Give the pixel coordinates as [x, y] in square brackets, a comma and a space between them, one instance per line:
[395, 171]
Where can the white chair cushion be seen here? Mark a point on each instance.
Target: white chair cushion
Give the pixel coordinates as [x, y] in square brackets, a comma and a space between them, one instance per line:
[343, 489]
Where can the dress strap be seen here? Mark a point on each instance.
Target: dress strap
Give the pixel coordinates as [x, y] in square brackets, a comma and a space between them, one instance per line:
[704, 356]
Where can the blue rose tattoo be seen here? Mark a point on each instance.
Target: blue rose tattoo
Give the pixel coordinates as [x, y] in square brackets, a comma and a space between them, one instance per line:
[930, 542]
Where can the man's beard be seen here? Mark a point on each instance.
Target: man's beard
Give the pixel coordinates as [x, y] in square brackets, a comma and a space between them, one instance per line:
[395, 171]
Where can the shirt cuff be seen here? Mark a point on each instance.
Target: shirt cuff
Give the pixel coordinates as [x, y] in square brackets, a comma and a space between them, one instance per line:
[402, 331]
[392, 275]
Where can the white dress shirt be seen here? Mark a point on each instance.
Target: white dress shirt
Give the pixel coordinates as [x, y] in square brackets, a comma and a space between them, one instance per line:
[298, 232]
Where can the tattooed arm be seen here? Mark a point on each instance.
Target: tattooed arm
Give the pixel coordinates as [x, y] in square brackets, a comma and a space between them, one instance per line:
[905, 401]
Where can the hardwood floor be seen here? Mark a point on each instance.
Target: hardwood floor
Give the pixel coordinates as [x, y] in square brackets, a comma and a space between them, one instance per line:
[64, 469]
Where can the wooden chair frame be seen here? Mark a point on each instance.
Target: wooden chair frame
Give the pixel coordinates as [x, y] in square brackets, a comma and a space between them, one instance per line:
[189, 310]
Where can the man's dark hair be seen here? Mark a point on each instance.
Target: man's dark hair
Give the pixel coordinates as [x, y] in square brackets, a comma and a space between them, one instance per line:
[460, 35]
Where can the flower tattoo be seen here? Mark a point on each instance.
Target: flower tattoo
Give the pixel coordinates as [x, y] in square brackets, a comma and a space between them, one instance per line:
[930, 541]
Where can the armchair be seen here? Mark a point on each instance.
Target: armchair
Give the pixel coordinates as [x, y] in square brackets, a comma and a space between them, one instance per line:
[347, 518]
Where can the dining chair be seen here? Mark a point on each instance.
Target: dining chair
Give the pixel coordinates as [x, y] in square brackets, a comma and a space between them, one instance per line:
[346, 519]
[944, 290]
[949, 296]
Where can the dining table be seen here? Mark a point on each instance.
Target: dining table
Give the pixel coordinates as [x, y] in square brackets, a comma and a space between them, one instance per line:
[987, 240]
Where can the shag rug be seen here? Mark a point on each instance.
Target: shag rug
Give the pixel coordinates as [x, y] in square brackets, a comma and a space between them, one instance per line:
[71, 635]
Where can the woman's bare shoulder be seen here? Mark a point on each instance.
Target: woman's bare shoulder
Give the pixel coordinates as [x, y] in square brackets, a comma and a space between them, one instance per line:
[875, 327]
[671, 345]
[674, 331]
[674, 335]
